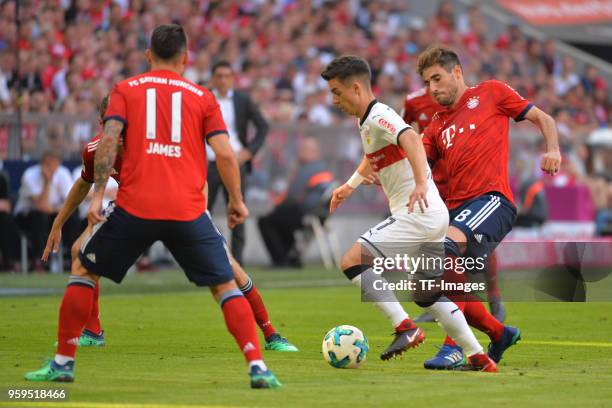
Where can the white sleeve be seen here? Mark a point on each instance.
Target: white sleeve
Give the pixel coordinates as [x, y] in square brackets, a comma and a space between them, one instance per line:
[390, 123]
[30, 185]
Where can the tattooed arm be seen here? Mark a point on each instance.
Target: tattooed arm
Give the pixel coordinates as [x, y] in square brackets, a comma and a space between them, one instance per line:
[103, 165]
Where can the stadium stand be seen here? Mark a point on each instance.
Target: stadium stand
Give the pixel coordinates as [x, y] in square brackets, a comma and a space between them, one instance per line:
[69, 53]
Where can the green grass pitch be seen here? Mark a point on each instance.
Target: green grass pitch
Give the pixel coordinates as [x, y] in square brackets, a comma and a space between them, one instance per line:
[167, 347]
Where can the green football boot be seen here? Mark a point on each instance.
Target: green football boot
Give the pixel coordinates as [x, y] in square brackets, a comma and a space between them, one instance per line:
[263, 379]
[276, 342]
[52, 371]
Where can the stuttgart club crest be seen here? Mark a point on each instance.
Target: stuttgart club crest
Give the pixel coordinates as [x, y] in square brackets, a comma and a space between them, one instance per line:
[472, 102]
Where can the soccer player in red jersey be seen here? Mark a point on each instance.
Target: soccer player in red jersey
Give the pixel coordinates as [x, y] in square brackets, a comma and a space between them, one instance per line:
[418, 110]
[394, 152]
[471, 136]
[165, 121]
[92, 334]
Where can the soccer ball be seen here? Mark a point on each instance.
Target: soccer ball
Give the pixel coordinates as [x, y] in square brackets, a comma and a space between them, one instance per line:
[345, 347]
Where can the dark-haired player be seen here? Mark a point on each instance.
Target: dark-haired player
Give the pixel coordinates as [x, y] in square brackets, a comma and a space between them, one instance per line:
[92, 334]
[418, 111]
[165, 121]
[395, 153]
[471, 136]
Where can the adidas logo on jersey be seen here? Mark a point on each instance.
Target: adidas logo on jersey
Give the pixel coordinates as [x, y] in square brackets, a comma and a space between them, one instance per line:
[423, 116]
[91, 257]
[478, 238]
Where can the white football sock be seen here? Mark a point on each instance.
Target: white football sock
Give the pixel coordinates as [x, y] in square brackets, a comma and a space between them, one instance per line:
[258, 363]
[60, 359]
[385, 300]
[454, 324]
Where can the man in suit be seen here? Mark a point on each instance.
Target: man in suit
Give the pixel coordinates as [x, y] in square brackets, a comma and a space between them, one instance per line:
[238, 111]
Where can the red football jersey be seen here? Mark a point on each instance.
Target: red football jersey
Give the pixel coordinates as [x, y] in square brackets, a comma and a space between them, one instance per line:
[472, 140]
[167, 120]
[420, 107]
[89, 154]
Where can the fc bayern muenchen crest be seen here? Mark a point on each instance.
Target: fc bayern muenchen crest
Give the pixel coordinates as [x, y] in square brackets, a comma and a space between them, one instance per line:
[472, 102]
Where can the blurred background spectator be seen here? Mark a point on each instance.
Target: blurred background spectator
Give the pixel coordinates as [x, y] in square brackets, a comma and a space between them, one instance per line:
[304, 196]
[69, 53]
[44, 188]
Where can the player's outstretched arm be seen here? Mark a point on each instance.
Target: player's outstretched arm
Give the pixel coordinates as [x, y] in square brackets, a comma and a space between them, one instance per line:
[551, 161]
[410, 141]
[103, 166]
[364, 173]
[77, 194]
[230, 176]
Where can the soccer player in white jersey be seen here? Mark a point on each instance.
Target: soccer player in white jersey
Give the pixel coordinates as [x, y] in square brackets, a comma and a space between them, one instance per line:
[395, 152]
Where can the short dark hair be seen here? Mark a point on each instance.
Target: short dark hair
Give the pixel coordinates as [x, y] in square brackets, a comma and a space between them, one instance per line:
[168, 40]
[220, 64]
[103, 106]
[437, 55]
[345, 67]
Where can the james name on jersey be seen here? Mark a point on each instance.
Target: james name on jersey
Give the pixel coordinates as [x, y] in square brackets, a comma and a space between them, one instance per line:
[164, 150]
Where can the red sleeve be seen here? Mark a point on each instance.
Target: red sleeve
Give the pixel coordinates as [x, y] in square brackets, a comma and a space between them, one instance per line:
[509, 102]
[213, 120]
[429, 142]
[409, 115]
[117, 107]
[87, 173]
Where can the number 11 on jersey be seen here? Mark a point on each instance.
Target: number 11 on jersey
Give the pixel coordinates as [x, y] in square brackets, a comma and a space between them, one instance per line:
[175, 124]
[175, 119]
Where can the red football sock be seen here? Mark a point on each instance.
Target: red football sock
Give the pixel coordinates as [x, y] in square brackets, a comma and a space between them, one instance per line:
[251, 293]
[74, 312]
[491, 277]
[93, 324]
[241, 324]
[479, 317]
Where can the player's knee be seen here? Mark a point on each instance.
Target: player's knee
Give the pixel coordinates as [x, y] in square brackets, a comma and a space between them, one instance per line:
[218, 290]
[240, 275]
[78, 269]
[426, 300]
[74, 251]
[451, 248]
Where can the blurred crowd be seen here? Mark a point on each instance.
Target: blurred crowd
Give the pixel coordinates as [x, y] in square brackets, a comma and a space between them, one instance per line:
[72, 51]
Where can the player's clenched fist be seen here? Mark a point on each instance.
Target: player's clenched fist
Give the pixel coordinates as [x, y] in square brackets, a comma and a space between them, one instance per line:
[418, 196]
[237, 212]
[551, 162]
[340, 194]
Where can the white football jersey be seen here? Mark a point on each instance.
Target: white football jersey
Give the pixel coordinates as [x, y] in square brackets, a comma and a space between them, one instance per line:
[379, 134]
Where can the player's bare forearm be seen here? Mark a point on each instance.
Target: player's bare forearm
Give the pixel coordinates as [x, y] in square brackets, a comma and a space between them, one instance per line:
[364, 167]
[411, 143]
[551, 159]
[230, 176]
[77, 194]
[547, 126]
[106, 154]
[227, 166]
